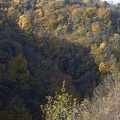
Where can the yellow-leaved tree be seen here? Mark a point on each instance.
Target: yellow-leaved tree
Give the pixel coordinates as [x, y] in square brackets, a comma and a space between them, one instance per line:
[96, 27]
[60, 107]
[25, 23]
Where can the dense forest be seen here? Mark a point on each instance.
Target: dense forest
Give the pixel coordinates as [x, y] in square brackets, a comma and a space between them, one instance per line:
[67, 50]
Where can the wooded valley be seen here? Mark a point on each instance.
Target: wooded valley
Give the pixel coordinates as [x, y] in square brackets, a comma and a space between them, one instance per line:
[59, 60]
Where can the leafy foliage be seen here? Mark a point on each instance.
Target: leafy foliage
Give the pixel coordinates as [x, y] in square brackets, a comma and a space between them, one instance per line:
[44, 42]
[60, 106]
[18, 69]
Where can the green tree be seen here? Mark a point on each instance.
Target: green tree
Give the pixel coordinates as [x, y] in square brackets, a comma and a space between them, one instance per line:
[16, 110]
[18, 70]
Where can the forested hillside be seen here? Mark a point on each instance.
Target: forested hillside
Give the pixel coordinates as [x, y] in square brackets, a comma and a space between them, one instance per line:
[43, 42]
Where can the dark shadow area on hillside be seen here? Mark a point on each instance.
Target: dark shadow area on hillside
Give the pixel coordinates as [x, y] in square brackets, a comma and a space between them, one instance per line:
[49, 62]
[115, 18]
